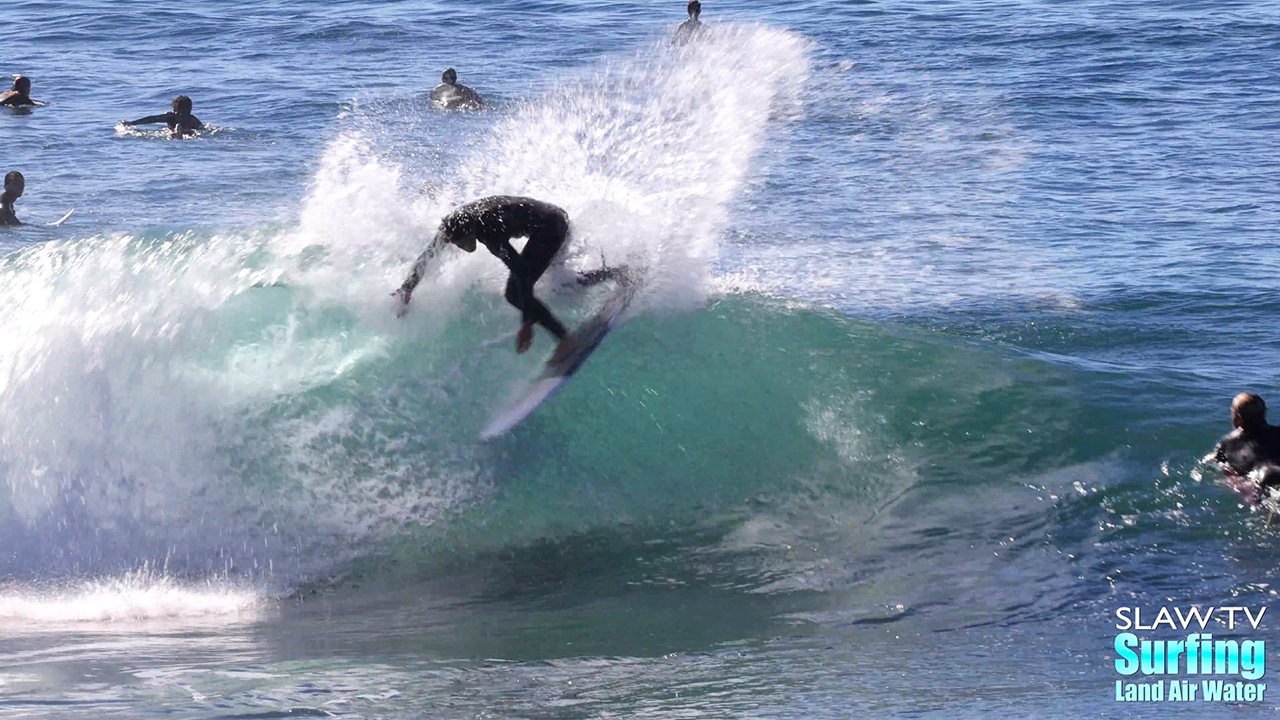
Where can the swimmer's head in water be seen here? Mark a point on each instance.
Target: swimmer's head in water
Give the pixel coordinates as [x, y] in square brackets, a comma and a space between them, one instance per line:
[1248, 410]
[182, 105]
[450, 77]
[695, 9]
[22, 84]
[14, 183]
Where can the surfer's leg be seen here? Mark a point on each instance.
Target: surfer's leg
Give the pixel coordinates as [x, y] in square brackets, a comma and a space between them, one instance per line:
[543, 246]
[520, 294]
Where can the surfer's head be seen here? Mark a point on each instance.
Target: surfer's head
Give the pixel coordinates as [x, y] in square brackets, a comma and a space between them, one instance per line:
[695, 9]
[450, 77]
[22, 84]
[1248, 411]
[456, 230]
[182, 105]
[14, 184]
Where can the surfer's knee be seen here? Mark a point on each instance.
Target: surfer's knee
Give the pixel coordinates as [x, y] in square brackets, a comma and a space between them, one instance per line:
[514, 292]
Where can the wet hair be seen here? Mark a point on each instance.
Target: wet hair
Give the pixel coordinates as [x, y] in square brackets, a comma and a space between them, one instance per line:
[13, 176]
[695, 8]
[1248, 409]
[182, 104]
[22, 84]
[449, 77]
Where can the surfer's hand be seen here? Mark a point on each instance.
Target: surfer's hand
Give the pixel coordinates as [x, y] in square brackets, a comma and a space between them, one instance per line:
[403, 296]
[524, 338]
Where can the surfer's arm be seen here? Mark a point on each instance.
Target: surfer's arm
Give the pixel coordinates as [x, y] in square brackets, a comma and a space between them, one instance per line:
[405, 292]
[148, 120]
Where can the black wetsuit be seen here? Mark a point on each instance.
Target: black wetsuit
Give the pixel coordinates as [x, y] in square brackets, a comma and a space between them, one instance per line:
[493, 221]
[453, 96]
[1244, 450]
[16, 99]
[7, 216]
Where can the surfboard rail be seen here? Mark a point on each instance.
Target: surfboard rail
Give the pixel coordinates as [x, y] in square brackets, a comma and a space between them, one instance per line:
[568, 357]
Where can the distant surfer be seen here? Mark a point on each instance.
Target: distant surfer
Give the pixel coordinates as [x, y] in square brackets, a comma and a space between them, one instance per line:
[14, 185]
[20, 95]
[493, 222]
[692, 28]
[1252, 448]
[180, 120]
[450, 95]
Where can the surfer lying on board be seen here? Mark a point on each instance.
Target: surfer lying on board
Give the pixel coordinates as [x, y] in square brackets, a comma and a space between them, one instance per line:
[492, 222]
[14, 184]
[180, 121]
[1252, 446]
[450, 95]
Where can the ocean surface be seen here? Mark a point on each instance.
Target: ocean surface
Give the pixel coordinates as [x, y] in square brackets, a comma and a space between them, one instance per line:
[943, 303]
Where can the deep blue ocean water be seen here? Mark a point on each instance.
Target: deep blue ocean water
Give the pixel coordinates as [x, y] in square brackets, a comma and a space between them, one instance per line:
[944, 303]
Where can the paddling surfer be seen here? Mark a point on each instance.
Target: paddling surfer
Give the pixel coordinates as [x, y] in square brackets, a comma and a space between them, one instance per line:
[14, 185]
[20, 95]
[450, 95]
[1253, 446]
[180, 120]
[692, 28]
[493, 222]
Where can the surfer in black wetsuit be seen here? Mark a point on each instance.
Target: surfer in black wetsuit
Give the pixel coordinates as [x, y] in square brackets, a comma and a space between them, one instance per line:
[180, 121]
[492, 222]
[1253, 445]
[14, 185]
[449, 95]
[20, 95]
[692, 28]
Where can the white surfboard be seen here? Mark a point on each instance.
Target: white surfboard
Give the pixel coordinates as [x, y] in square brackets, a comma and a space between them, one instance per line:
[62, 219]
[572, 352]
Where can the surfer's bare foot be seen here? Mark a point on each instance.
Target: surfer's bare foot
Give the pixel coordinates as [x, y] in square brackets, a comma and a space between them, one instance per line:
[524, 338]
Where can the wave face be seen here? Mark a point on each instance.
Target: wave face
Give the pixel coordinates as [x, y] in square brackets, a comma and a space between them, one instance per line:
[245, 405]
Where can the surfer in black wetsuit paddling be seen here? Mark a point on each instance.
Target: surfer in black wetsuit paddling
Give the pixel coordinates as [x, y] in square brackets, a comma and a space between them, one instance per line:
[180, 121]
[692, 28]
[450, 95]
[20, 95]
[492, 222]
[14, 185]
[1253, 445]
